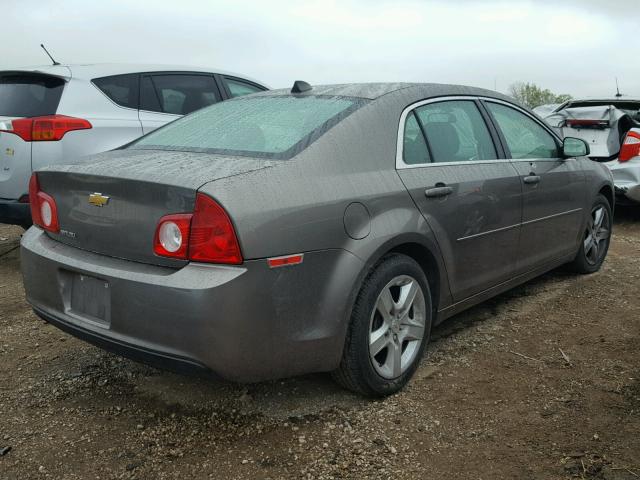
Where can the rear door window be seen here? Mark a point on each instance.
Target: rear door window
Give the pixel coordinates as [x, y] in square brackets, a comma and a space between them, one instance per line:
[148, 96]
[121, 89]
[237, 87]
[27, 95]
[415, 151]
[456, 131]
[178, 94]
[525, 137]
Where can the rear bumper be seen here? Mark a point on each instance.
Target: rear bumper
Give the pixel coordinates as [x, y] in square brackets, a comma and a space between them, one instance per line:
[140, 354]
[14, 213]
[626, 178]
[244, 323]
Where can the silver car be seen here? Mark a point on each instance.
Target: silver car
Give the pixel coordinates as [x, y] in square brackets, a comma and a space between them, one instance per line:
[322, 229]
[610, 126]
[58, 114]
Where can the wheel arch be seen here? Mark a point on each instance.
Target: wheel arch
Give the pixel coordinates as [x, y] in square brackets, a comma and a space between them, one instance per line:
[424, 251]
[427, 254]
[423, 256]
[607, 191]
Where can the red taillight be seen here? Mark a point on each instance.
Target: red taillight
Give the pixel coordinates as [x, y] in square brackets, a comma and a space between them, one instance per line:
[630, 147]
[207, 235]
[21, 127]
[213, 238]
[50, 128]
[44, 211]
[54, 127]
[172, 236]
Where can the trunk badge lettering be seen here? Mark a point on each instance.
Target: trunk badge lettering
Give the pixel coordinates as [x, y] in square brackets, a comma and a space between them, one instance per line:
[98, 200]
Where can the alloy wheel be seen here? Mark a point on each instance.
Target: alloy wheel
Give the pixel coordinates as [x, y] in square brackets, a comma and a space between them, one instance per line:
[597, 235]
[397, 326]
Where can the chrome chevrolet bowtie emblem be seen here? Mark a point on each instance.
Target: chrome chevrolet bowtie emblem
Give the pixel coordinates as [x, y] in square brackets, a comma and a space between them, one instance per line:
[98, 199]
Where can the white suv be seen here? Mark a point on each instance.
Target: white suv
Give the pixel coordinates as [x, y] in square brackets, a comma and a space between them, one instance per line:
[57, 114]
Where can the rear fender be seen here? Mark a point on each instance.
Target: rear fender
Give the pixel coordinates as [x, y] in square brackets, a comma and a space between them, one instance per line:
[406, 243]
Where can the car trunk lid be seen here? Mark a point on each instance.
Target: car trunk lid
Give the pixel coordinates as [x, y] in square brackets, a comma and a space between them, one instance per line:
[131, 191]
[602, 127]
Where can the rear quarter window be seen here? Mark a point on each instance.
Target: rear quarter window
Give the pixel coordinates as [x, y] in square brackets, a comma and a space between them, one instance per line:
[237, 87]
[121, 89]
[25, 95]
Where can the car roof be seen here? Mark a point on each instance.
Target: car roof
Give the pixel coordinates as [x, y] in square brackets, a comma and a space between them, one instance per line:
[97, 70]
[372, 91]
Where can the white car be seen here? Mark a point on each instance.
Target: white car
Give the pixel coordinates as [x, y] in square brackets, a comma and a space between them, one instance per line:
[546, 109]
[611, 127]
[60, 113]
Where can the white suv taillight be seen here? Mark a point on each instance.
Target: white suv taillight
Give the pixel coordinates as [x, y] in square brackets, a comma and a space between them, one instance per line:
[44, 211]
[49, 128]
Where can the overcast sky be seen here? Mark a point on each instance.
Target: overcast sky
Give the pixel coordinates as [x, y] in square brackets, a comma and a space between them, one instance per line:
[569, 46]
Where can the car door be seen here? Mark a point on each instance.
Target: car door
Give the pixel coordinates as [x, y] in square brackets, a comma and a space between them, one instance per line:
[468, 193]
[553, 192]
[165, 97]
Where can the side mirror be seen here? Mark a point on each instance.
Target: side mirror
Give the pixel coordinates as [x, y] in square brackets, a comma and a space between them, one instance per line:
[574, 147]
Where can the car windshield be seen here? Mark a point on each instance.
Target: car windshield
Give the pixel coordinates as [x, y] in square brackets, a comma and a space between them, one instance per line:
[265, 126]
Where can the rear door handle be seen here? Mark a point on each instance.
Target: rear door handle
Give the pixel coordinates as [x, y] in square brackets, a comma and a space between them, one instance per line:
[532, 179]
[439, 191]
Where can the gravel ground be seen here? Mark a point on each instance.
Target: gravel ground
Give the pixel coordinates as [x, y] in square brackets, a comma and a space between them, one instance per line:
[540, 383]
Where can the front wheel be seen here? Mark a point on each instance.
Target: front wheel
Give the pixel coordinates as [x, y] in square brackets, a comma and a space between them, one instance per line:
[389, 330]
[596, 238]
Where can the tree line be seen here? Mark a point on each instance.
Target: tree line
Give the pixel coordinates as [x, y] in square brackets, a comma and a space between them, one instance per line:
[532, 96]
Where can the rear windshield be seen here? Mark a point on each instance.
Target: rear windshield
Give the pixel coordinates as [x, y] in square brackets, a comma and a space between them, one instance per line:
[264, 126]
[24, 95]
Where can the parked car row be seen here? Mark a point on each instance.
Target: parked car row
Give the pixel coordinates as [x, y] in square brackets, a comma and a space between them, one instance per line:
[60, 114]
[610, 127]
[311, 229]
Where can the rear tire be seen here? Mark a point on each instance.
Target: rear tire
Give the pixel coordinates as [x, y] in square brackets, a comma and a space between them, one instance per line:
[389, 329]
[595, 241]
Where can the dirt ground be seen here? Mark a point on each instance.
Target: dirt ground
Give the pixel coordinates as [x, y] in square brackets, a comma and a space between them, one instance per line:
[540, 383]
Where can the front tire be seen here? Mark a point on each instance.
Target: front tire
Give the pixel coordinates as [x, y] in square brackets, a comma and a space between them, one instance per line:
[595, 241]
[389, 329]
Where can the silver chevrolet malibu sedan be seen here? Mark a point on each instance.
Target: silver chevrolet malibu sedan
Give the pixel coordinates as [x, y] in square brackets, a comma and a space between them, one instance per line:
[313, 229]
